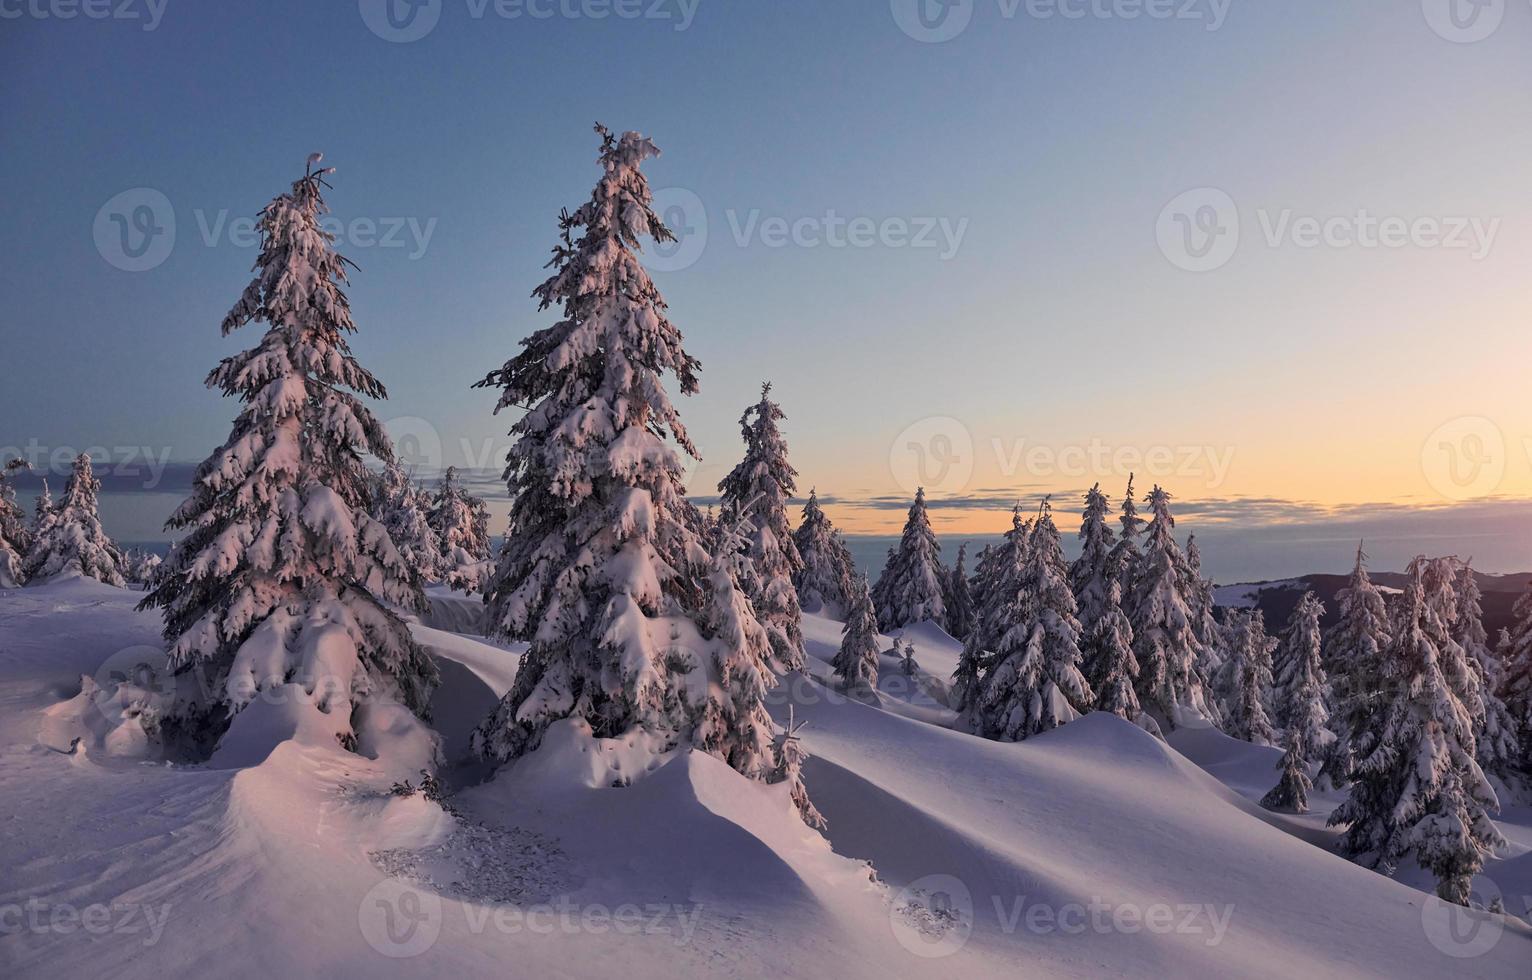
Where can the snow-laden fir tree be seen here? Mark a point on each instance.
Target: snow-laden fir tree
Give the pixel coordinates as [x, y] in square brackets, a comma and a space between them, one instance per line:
[998, 577]
[1496, 737]
[725, 709]
[1163, 638]
[602, 567]
[1300, 696]
[856, 662]
[1036, 684]
[404, 509]
[1199, 594]
[1109, 652]
[44, 512]
[1416, 787]
[826, 575]
[757, 491]
[73, 539]
[912, 586]
[283, 576]
[1353, 651]
[1125, 551]
[1246, 678]
[884, 580]
[1298, 653]
[1515, 688]
[461, 523]
[140, 567]
[1092, 575]
[959, 601]
[15, 539]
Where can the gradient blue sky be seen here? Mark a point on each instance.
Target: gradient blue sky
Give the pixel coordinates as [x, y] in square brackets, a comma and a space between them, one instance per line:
[1058, 321]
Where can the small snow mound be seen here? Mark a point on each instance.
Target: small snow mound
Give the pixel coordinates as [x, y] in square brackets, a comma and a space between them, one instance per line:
[279, 714]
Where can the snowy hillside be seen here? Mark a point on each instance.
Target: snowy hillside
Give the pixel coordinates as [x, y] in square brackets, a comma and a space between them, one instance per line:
[1092, 850]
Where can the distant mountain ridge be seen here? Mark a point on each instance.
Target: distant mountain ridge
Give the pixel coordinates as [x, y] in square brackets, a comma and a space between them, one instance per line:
[1277, 599]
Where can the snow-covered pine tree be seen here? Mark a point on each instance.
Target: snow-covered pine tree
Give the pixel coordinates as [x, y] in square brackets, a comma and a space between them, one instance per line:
[1246, 683]
[1200, 599]
[283, 576]
[1300, 696]
[404, 509]
[73, 539]
[911, 588]
[884, 580]
[15, 539]
[757, 490]
[959, 602]
[1515, 689]
[1417, 786]
[1495, 732]
[602, 563]
[44, 512]
[1036, 684]
[1092, 574]
[1298, 653]
[1353, 651]
[461, 522]
[999, 576]
[1110, 653]
[1125, 551]
[856, 662]
[1163, 638]
[825, 578]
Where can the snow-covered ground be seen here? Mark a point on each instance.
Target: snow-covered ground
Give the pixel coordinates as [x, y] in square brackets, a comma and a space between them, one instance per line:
[1094, 850]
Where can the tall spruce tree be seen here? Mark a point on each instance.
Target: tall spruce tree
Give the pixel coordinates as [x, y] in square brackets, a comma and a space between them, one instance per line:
[999, 575]
[1495, 731]
[911, 587]
[757, 490]
[1094, 572]
[856, 662]
[1200, 599]
[1246, 678]
[1113, 668]
[1163, 639]
[72, 539]
[460, 520]
[15, 539]
[1353, 656]
[1036, 684]
[959, 602]
[826, 575]
[282, 575]
[1300, 696]
[1515, 688]
[404, 509]
[602, 561]
[1125, 551]
[1417, 787]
